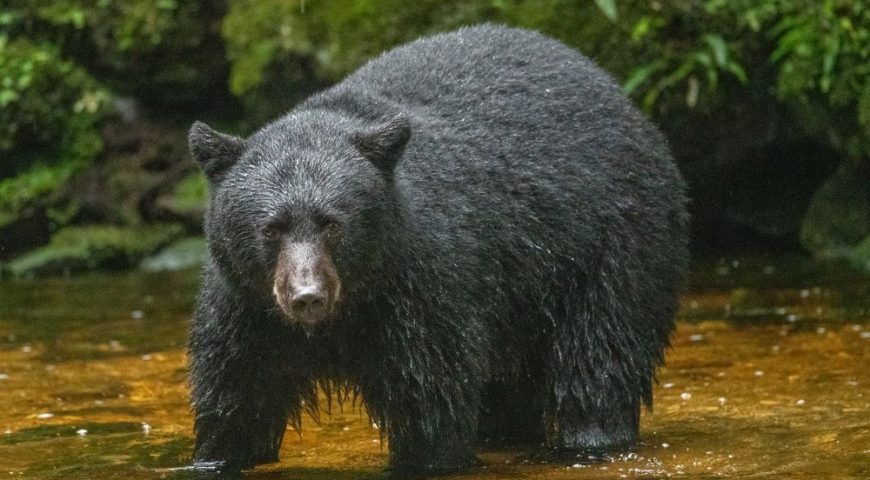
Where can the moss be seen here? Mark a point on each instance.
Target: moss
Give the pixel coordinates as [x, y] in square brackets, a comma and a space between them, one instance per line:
[185, 253]
[19, 192]
[268, 41]
[91, 247]
[190, 196]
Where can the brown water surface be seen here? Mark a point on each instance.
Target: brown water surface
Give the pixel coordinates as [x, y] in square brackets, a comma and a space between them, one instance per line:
[768, 377]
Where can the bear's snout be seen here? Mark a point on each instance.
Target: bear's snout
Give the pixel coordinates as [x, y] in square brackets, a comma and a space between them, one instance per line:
[306, 284]
[310, 298]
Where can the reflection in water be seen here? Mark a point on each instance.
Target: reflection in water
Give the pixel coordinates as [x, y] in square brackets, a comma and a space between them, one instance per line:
[767, 377]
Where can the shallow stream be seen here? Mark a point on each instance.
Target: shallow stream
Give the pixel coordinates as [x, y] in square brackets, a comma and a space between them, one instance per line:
[768, 377]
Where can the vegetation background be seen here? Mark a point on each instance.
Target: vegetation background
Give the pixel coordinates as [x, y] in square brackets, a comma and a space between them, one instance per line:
[766, 104]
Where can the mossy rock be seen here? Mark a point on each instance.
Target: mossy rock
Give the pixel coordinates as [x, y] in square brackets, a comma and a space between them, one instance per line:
[186, 253]
[838, 218]
[188, 199]
[74, 249]
[859, 256]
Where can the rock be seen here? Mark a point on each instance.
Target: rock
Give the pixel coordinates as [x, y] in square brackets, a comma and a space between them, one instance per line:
[186, 202]
[91, 247]
[859, 256]
[838, 219]
[185, 253]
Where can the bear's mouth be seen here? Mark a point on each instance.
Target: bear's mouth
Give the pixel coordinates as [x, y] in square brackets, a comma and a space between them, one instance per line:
[306, 286]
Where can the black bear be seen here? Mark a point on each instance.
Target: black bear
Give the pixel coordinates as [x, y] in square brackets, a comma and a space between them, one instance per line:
[474, 212]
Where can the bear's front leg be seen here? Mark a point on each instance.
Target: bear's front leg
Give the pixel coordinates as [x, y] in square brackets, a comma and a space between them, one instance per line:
[234, 442]
[426, 393]
[241, 392]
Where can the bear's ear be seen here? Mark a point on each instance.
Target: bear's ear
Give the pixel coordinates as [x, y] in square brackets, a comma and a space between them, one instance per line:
[383, 144]
[215, 152]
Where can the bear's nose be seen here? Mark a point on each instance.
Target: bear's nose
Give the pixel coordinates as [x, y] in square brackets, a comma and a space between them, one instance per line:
[308, 300]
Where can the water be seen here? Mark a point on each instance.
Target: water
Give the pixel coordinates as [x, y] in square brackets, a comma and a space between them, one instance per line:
[768, 377]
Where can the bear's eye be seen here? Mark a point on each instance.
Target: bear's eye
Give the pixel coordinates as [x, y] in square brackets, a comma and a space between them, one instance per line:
[332, 230]
[271, 232]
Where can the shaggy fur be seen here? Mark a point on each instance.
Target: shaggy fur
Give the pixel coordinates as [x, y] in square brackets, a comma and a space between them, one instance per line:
[514, 238]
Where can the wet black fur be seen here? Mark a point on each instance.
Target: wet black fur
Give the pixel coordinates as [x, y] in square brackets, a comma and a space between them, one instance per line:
[529, 240]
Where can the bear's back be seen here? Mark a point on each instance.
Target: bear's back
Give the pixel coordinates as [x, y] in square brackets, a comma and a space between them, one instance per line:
[481, 73]
[518, 125]
[506, 92]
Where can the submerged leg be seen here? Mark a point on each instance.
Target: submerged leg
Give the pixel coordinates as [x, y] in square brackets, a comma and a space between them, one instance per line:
[605, 421]
[426, 394]
[603, 361]
[241, 392]
[240, 440]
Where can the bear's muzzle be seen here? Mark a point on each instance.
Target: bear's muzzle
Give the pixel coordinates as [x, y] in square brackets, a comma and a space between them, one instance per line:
[306, 284]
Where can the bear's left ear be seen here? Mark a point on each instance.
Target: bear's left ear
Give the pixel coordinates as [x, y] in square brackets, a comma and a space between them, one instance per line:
[215, 152]
[383, 144]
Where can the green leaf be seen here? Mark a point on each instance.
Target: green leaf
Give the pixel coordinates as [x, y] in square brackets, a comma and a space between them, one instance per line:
[702, 58]
[752, 20]
[78, 18]
[640, 75]
[737, 71]
[828, 62]
[719, 48]
[679, 74]
[712, 78]
[608, 8]
[790, 43]
[7, 96]
[783, 26]
[864, 106]
[7, 18]
[641, 28]
[651, 97]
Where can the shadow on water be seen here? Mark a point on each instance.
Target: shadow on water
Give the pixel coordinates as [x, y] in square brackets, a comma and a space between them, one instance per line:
[766, 378]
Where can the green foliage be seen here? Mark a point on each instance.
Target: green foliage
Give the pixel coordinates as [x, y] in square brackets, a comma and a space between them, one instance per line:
[822, 55]
[89, 247]
[164, 51]
[122, 25]
[814, 56]
[40, 181]
[191, 193]
[802, 63]
[339, 34]
[49, 109]
[256, 34]
[823, 47]
[672, 56]
[41, 98]
[608, 7]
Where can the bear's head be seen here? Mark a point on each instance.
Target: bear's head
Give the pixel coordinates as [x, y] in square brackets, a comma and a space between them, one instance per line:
[298, 210]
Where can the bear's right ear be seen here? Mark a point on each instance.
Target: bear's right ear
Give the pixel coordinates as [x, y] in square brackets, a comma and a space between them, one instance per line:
[215, 152]
[383, 144]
